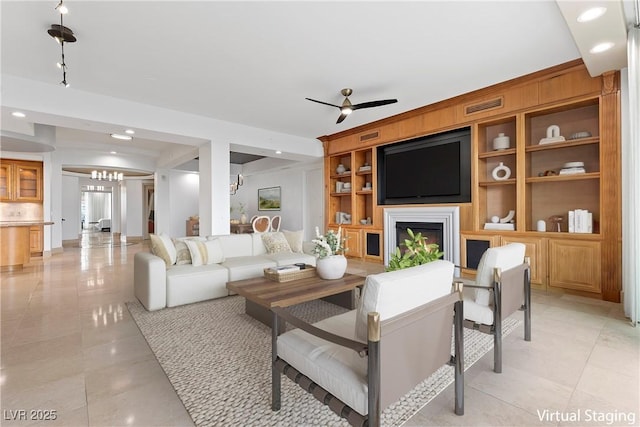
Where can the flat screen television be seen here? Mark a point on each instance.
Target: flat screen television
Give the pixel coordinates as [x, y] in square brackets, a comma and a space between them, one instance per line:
[426, 170]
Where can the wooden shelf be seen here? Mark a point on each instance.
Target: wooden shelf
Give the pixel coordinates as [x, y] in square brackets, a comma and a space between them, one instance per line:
[365, 192]
[558, 178]
[363, 173]
[345, 193]
[488, 154]
[510, 181]
[563, 144]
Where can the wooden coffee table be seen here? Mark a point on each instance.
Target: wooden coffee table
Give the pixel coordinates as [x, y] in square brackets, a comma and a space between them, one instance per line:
[261, 294]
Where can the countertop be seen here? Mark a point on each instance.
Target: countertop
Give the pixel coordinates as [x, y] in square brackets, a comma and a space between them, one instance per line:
[24, 223]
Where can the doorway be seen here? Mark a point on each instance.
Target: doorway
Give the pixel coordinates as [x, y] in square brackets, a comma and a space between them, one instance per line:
[148, 220]
[96, 210]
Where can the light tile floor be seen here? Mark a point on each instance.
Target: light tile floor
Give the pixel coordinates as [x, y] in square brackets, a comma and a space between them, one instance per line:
[69, 345]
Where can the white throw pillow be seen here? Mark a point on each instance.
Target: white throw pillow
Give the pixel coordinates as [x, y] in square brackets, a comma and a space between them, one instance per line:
[275, 242]
[295, 239]
[205, 252]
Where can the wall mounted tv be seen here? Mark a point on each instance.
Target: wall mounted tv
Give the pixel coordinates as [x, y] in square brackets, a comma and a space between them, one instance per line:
[426, 170]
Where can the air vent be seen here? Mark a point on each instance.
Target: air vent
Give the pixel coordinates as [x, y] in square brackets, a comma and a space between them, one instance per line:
[483, 106]
[369, 136]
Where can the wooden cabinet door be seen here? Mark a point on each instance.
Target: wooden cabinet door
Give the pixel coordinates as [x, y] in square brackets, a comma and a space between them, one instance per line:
[536, 250]
[353, 243]
[28, 182]
[36, 244]
[574, 264]
[6, 182]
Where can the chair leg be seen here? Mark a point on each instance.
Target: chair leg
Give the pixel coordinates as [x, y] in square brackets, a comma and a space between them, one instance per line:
[527, 305]
[459, 356]
[275, 373]
[497, 328]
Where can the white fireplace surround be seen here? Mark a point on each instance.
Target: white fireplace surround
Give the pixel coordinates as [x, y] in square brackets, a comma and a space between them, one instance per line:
[448, 216]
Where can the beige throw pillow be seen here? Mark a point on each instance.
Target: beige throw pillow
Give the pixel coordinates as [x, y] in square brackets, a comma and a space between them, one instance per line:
[275, 242]
[295, 239]
[162, 246]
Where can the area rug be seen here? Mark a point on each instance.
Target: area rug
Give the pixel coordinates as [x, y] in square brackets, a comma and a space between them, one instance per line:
[218, 360]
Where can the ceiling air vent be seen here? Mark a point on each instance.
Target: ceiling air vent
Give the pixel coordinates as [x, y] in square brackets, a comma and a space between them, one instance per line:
[483, 106]
[369, 136]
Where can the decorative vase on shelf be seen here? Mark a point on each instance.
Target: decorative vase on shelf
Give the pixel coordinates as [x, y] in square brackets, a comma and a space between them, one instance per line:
[501, 142]
[243, 219]
[340, 169]
[331, 267]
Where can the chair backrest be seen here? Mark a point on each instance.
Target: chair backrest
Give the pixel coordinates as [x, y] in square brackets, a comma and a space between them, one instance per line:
[261, 224]
[503, 257]
[396, 292]
[252, 219]
[275, 223]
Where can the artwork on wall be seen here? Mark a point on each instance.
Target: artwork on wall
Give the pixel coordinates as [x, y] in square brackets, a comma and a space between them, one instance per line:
[269, 199]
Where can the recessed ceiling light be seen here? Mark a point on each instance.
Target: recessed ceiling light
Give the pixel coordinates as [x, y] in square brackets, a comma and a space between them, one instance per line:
[113, 152]
[601, 47]
[591, 14]
[120, 136]
[130, 131]
[278, 152]
[19, 114]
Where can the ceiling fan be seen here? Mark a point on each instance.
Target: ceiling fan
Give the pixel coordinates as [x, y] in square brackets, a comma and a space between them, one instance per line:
[347, 107]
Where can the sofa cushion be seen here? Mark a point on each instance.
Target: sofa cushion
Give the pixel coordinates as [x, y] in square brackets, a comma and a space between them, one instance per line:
[162, 246]
[275, 242]
[187, 283]
[394, 292]
[333, 367]
[479, 313]
[295, 239]
[236, 245]
[247, 267]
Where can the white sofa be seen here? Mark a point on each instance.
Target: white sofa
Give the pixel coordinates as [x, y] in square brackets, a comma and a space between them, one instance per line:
[245, 256]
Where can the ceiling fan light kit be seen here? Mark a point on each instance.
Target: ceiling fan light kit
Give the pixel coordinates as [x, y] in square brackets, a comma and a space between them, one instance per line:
[347, 107]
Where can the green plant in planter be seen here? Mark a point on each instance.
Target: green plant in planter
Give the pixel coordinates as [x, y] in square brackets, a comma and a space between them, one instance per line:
[417, 252]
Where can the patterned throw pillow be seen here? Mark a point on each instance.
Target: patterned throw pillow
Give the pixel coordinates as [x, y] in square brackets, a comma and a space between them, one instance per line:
[205, 252]
[162, 246]
[183, 256]
[294, 238]
[275, 242]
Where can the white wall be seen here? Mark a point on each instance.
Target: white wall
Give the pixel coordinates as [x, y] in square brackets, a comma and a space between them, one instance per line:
[184, 192]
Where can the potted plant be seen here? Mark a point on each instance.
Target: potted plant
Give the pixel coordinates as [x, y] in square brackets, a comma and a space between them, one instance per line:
[417, 252]
[329, 248]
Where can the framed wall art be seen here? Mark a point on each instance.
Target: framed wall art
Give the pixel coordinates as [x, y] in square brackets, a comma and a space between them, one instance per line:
[269, 199]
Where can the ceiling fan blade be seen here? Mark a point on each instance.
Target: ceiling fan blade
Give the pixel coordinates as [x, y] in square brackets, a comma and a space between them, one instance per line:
[341, 118]
[374, 104]
[321, 102]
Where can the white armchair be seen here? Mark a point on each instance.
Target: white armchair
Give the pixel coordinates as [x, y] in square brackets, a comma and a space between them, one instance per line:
[351, 362]
[502, 286]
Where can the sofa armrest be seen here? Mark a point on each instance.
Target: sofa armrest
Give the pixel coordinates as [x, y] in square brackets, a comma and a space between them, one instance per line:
[150, 280]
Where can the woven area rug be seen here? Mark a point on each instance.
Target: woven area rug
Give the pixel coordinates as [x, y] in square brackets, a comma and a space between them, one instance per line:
[218, 360]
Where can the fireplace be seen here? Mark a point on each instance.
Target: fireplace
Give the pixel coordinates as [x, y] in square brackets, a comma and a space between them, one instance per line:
[431, 231]
[439, 224]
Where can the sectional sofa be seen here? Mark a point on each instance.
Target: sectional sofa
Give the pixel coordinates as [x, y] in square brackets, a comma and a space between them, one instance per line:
[167, 281]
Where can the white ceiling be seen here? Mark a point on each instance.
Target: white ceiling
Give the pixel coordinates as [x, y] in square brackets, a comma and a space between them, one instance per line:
[254, 63]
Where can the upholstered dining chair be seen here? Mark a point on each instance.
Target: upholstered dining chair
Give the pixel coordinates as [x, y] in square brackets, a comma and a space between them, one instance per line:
[261, 224]
[502, 286]
[275, 222]
[252, 219]
[351, 362]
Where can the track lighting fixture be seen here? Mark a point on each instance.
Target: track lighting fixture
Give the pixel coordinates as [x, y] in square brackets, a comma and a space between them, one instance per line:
[62, 35]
